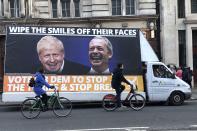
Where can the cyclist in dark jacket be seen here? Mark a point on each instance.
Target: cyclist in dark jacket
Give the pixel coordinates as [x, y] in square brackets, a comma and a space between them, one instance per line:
[117, 78]
[39, 83]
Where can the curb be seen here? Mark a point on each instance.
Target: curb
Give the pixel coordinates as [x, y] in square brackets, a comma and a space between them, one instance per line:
[9, 104]
[193, 99]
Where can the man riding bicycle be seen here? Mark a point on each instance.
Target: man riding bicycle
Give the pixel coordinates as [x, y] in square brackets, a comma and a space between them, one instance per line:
[117, 78]
[39, 83]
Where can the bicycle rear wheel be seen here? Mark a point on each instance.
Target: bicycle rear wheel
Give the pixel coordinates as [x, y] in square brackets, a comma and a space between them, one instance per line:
[109, 102]
[137, 102]
[62, 107]
[30, 108]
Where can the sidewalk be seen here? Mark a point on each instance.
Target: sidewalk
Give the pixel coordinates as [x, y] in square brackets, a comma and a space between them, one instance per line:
[193, 97]
[194, 94]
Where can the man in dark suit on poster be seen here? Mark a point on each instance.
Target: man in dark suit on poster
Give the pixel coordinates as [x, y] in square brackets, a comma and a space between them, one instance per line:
[100, 52]
[52, 57]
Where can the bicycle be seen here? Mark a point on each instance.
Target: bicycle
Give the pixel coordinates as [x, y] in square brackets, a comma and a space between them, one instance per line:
[32, 106]
[136, 101]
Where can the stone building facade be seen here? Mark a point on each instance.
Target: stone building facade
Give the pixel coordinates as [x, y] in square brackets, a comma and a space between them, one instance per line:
[179, 33]
[81, 13]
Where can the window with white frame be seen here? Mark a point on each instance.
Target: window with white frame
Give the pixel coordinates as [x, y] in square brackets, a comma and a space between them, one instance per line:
[14, 8]
[54, 8]
[65, 4]
[116, 7]
[65, 8]
[123, 7]
[193, 6]
[1, 8]
[130, 7]
[77, 10]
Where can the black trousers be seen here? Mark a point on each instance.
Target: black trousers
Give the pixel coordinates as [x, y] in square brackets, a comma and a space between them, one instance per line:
[119, 89]
[45, 99]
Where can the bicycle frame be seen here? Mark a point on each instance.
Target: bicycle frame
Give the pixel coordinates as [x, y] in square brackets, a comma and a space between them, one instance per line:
[129, 95]
[61, 106]
[50, 101]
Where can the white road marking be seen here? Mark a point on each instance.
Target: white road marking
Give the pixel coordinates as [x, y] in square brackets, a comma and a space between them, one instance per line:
[105, 129]
[193, 125]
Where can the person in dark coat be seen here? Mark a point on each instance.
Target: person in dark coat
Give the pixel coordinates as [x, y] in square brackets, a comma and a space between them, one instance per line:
[52, 57]
[187, 75]
[117, 78]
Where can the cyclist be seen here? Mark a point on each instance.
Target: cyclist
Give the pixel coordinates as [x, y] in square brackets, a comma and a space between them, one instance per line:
[39, 82]
[117, 78]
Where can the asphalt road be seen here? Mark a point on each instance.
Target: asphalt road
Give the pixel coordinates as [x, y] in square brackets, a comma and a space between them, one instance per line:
[152, 117]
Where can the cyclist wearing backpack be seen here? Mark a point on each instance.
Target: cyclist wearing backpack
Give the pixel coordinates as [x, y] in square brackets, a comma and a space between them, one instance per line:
[117, 78]
[39, 83]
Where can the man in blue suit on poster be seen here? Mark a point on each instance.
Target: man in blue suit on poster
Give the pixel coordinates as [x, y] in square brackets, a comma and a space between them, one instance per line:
[52, 57]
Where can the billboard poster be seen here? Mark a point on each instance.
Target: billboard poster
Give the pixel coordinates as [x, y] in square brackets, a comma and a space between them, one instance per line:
[75, 59]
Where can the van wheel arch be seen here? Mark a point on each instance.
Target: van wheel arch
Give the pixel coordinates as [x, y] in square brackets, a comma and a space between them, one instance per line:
[176, 98]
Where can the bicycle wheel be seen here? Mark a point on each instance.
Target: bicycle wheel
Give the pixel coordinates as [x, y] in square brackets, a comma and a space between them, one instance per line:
[30, 108]
[62, 107]
[137, 102]
[109, 102]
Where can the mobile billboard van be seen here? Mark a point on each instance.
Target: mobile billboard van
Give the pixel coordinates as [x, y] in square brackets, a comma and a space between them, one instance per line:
[79, 61]
[81, 56]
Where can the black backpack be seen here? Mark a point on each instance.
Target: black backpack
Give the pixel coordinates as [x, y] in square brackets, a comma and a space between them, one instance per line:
[32, 82]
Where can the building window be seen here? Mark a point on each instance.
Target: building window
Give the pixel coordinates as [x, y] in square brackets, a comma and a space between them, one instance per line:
[116, 7]
[65, 8]
[130, 7]
[1, 8]
[193, 6]
[14, 8]
[77, 10]
[182, 47]
[54, 8]
[181, 8]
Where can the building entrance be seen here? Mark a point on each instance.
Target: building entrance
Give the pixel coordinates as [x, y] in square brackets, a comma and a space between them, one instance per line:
[194, 43]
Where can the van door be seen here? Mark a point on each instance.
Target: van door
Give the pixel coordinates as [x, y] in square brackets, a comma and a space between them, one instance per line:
[162, 82]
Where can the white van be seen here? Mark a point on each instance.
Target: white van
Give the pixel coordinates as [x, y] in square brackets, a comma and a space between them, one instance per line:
[163, 85]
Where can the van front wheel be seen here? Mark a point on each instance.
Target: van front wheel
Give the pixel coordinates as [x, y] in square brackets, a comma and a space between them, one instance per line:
[176, 99]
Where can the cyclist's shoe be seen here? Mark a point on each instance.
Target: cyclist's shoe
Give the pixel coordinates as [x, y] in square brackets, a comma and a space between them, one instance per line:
[45, 109]
[122, 106]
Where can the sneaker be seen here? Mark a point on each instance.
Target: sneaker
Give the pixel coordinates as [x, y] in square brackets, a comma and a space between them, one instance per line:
[45, 109]
[123, 106]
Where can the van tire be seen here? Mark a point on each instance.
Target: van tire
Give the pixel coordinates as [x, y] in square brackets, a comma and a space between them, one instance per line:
[176, 99]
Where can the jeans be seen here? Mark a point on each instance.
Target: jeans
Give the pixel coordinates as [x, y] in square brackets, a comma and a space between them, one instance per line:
[45, 99]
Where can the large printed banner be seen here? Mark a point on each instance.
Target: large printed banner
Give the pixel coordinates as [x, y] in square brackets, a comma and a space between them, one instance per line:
[67, 83]
[75, 59]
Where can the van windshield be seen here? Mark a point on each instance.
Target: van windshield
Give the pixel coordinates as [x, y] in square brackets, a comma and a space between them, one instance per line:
[161, 71]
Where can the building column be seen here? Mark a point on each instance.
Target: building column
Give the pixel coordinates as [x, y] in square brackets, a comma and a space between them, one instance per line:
[189, 47]
[22, 9]
[1, 11]
[123, 7]
[72, 9]
[59, 9]
[6, 8]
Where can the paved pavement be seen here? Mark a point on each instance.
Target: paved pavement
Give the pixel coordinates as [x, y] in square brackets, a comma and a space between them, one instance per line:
[194, 94]
[193, 97]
